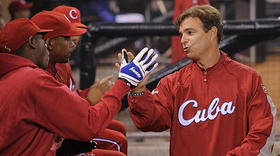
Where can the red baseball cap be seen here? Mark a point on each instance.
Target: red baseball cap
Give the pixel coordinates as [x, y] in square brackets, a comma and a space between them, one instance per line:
[16, 33]
[19, 5]
[72, 13]
[59, 22]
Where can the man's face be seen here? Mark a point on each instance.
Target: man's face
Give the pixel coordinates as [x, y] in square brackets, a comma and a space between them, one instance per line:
[42, 53]
[75, 40]
[194, 39]
[60, 51]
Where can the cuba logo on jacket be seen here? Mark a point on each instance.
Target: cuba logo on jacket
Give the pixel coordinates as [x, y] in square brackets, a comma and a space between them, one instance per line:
[205, 114]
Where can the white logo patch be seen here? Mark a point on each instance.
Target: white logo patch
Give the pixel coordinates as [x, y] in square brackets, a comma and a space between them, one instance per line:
[71, 14]
[155, 92]
[135, 72]
[201, 116]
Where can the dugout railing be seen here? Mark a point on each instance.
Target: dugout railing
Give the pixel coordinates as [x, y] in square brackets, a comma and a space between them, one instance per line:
[240, 34]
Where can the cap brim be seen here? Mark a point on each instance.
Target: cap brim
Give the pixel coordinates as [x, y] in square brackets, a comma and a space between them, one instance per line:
[45, 30]
[80, 25]
[75, 31]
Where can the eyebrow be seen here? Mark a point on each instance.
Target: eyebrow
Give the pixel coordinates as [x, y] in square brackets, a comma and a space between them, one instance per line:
[188, 29]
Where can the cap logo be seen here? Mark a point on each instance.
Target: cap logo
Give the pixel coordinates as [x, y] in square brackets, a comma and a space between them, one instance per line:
[7, 48]
[71, 14]
[67, 18]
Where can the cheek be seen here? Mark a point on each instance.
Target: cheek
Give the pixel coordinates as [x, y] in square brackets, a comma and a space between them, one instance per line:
[62, 48]
[66, 47]
[199, 40]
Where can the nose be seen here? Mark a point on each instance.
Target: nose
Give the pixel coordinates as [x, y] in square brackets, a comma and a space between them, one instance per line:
[71, 44]
[184, 39]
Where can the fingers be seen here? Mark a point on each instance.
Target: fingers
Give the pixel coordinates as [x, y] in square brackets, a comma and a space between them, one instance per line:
[148, 57]
[124, 56]
[151, 68]
[141, 54]
[120, 57]
[150, 62]
[118, 67]
[106, 79]
[130, 56]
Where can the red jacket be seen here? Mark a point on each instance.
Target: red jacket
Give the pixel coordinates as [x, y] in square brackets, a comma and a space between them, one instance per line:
[209, 113]
[63, 73]
[34, 107]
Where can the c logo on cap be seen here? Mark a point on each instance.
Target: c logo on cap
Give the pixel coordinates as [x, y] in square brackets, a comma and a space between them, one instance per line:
[71, 14]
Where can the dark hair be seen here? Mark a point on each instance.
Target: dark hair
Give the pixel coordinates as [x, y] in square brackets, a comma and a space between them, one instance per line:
[208, 15]
[19, 51]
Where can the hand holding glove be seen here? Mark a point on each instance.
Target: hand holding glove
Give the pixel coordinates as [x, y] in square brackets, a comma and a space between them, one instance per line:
[134, 72]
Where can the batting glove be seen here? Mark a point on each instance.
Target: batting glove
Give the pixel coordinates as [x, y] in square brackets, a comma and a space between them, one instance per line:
[134, 72]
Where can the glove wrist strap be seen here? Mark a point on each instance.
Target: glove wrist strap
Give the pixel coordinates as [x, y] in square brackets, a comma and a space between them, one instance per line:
[125, 81]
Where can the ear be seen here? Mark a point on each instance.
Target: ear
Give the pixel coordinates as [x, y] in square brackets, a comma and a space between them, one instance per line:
[49, 43]
[214, 33]
[31, 42]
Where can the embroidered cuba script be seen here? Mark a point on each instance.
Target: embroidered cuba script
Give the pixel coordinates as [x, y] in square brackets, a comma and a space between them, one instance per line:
[212, 112]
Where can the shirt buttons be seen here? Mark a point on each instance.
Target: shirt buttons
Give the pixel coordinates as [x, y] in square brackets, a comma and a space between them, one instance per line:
[205, 80]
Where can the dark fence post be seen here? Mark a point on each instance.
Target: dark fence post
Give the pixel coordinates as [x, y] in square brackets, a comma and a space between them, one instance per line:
[88, 61]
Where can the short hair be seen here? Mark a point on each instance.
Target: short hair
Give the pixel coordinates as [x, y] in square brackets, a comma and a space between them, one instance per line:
[20, 51]
[208, 15]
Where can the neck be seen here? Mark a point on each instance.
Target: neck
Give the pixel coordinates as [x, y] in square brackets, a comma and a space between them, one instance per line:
[52, 63]
[28, 54]
[209, 60]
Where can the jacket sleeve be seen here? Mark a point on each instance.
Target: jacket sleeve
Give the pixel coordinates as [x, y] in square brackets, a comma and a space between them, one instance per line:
[68, 115]
[260, 136]
[82, 93]
[152, 111]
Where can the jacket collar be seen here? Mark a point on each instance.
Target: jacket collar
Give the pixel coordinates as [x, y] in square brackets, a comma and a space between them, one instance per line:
[220, 62]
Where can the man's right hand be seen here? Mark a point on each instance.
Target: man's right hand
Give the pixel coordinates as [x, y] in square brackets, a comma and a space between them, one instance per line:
[98, 89]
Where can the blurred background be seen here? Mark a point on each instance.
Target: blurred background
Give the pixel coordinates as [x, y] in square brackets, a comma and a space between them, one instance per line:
[264, 56]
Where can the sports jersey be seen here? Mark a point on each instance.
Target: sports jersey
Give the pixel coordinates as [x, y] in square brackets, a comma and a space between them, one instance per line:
[63, 73]
[34, 107]
[113, 137]
[222, 110]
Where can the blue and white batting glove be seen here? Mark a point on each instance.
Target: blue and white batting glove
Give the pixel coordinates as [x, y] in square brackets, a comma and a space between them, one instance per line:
[134, 72]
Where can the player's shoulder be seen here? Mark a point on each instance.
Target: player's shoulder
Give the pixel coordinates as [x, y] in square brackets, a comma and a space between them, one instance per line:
[35, 75]
[239, 69]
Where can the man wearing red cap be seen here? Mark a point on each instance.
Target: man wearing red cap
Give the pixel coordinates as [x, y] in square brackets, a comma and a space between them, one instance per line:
[34, 107]
[19, 9]
[113, 137]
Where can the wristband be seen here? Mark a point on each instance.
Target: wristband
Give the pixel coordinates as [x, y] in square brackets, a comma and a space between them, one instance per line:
[138, 94]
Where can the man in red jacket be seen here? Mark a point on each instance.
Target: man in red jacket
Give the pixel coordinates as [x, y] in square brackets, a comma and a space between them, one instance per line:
[34, 107]
[214, 106]
[113, 137]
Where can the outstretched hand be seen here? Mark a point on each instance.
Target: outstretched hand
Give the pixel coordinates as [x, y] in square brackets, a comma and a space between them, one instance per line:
[98, 89]
[130, 58]
[146, 60]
